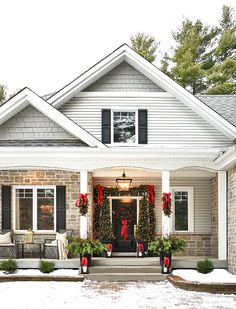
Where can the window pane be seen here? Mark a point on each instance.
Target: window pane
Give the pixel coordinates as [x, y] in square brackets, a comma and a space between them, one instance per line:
[45, 209]
[124, 127]
[24, 209]
[181, 210]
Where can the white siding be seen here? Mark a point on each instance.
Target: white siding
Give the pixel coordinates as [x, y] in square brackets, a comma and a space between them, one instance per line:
[202, 198]
[170, 122]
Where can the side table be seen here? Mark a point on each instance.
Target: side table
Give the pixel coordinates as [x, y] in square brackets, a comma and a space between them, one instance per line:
[38, 246]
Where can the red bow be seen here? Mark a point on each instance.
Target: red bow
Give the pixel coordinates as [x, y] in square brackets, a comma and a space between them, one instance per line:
[82, 200]
[166, 261]
[124, 229]
[151, 194]
[100, 195]
[109, 247]
[166, 200]
[140, 247]
[84, 261]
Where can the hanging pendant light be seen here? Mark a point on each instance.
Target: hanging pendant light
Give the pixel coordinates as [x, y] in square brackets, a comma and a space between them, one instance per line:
[124, 182]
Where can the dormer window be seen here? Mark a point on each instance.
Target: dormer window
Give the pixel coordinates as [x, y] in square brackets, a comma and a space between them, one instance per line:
[124, 127]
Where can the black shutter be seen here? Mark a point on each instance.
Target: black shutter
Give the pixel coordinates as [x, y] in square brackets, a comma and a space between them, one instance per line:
[142, 126]
[106, 126]
[6, 207]
[61, 207]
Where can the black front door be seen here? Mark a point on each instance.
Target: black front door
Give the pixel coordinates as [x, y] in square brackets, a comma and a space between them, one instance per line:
[124, 220]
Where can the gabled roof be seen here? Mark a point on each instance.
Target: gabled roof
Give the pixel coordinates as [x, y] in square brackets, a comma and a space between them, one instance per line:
[224, 105]
[26, 96]
[125, 53]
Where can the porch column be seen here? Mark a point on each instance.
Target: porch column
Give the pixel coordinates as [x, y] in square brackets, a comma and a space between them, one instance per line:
[222, 215]
[83, 219]
[166, 189]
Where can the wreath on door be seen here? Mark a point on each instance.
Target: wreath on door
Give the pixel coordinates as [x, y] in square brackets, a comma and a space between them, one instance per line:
[124, 213]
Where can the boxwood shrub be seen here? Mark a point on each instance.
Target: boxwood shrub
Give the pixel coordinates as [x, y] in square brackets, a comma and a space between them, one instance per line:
[205, 266]
[46, 267]
[9, 266]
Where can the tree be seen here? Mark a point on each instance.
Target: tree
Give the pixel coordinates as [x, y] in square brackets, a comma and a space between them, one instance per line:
[145, 45]
[222, 76]
[106, 232]
[192, 55]
[143, 221]
[2, 94]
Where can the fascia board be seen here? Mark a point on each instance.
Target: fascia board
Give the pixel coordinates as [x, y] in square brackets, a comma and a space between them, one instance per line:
[183, 95]
[79, 84]
[27, 97]
[227, 160]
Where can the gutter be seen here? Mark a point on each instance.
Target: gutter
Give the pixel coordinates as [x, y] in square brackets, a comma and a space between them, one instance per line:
[226, 159]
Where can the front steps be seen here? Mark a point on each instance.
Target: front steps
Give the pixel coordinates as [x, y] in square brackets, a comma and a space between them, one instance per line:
[125, 269]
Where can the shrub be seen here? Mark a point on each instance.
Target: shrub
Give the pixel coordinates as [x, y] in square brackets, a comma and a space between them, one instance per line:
[46, 267]
[205, 266]
[9, 266]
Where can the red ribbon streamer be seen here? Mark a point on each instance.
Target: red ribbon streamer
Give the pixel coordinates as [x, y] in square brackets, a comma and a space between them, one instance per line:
[166, 261]
[151, 194]
[124, 229]
[84, 261]
[100, 195]
[166, 200]
[140, 247]
[109, 247]
[82, 200]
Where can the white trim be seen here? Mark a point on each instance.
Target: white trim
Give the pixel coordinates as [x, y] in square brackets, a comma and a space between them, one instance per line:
[226, 159]
[35, 219]
[27, 97]
[190, 191]
[149, 70]
[126, 94]
[222, 215]
[166, 221]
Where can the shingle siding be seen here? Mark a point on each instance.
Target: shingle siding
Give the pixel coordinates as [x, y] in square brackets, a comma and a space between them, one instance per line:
[31, 124]
[124, 78]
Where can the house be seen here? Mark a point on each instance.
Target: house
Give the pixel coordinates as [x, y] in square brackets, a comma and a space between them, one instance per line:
[121, 114]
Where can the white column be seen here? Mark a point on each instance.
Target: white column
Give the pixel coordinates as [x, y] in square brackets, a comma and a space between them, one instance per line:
[166, 189]
[222, 215]
[83, 219]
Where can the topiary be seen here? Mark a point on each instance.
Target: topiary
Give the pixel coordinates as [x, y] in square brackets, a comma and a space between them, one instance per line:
[205, 266]
[46, 267]
[9, 266]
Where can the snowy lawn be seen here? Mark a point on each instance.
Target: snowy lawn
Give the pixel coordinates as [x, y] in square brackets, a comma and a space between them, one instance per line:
[106, 295]
[217, 276]
[36, 272]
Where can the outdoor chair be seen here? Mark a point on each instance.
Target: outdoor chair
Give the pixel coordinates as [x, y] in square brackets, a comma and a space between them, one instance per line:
[51, 249]
[8, 246]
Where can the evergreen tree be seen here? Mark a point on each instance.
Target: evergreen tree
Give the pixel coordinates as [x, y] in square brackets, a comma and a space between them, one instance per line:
[96, 221]
[222, 76]
[192, 56]
[145, 45]
[152, 222]
[143, 221]
[106, 232]
[2, 94]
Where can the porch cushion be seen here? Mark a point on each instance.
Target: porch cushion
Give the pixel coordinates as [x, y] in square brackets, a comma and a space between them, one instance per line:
[5, 238]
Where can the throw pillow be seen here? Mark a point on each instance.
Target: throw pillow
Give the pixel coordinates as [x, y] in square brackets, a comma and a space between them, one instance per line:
[5, 238]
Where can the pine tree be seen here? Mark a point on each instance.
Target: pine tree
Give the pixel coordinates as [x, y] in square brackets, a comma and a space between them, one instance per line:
[2, 94]
[106, 232]
[145, 45]
[222, 76]
[96, 221]
[143, 221]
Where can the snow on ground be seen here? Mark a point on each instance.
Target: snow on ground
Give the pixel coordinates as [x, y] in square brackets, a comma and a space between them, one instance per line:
[217, 276]
[106, 295]
[36, 272]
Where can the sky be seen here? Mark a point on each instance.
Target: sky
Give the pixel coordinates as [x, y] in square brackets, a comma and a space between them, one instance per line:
[47, 43]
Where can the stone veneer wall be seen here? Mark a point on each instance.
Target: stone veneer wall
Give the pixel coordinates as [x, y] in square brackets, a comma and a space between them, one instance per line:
[232, 220]
[55, 178]
[214, 216]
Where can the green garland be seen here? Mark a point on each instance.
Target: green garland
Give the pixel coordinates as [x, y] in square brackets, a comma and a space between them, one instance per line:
[113, 191]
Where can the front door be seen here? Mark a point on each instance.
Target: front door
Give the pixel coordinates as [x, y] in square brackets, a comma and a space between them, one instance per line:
[124, 221]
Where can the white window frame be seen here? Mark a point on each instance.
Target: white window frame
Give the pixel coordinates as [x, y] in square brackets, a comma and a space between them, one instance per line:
[190, 191]
[124, 109]
[34, 227]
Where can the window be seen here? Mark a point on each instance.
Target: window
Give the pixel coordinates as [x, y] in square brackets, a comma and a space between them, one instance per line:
[124, 127]
[35, 208]
[183, 213]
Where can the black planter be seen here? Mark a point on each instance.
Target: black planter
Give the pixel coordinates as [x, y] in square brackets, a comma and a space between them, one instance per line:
[165, 269]
[89, 258]
[145, 245]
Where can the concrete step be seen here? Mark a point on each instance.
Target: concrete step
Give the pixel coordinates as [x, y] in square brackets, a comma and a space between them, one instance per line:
[124, 254]
[126, 261]
[126, 277]
[124, 269]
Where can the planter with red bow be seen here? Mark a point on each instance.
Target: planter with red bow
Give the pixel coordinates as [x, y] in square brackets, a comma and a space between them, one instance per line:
[109, 250]
[84, 265]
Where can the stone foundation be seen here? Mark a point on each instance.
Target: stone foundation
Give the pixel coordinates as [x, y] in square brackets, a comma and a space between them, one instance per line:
[232, 220]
